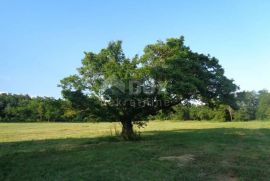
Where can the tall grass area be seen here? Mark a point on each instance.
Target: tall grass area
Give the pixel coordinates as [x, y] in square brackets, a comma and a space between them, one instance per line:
[169, 150]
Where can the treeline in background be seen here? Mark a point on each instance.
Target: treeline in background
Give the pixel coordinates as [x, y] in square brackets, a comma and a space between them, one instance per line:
[251, 105]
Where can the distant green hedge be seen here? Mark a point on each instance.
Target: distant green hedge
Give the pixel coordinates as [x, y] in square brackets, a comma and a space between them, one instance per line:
[23, 108]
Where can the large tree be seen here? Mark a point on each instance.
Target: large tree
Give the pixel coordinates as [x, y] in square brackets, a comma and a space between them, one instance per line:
[113, 87]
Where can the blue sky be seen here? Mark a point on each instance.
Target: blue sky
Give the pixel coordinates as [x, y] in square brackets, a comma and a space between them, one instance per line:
[41, 42]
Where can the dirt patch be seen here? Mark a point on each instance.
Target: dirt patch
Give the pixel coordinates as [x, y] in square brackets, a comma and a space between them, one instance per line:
[181, 160]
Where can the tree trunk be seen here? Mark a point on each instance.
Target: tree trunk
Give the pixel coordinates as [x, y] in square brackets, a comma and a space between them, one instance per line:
[230, 112]
[127, 130]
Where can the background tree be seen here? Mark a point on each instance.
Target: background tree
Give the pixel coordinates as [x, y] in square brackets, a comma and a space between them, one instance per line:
[263, 111]
[23, 108]
[114, 87]
[247, 102]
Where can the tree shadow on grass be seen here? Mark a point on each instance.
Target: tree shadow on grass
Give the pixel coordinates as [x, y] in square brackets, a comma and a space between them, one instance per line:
[239, 153]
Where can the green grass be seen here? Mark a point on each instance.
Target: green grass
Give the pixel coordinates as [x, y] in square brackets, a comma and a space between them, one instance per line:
[168, 151]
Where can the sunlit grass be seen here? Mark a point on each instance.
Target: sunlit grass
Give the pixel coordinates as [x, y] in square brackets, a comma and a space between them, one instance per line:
[39, 131]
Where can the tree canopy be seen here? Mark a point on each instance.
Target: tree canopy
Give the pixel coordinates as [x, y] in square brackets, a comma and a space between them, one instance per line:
[115, 87]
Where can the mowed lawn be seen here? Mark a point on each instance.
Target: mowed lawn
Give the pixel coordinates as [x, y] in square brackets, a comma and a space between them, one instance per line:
[169, 150]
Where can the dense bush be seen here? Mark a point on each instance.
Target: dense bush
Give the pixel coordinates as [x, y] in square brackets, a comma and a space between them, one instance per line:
[195, 112]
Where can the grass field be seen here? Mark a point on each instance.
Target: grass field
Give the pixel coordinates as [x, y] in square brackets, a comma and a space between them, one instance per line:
[168, 151]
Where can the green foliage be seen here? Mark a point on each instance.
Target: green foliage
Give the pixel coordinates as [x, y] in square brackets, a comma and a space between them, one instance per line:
[23, 108]
[200, 113]
[195, 112]
[263, 111]
[113, 87]
[248, 105]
